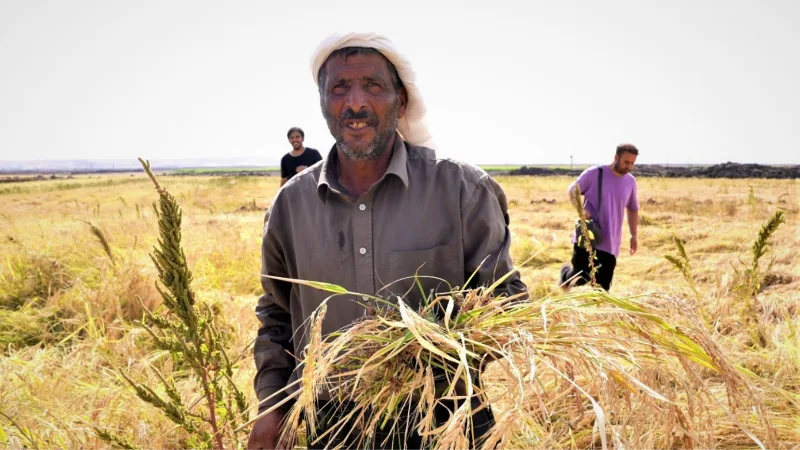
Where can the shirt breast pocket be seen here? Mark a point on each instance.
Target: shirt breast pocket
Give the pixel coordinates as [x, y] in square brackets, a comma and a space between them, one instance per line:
[438, 269]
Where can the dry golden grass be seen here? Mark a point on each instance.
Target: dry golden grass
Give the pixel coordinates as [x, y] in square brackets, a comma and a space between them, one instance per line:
[67, 309]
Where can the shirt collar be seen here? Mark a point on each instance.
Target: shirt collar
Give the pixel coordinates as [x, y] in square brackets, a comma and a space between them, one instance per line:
[398, 166]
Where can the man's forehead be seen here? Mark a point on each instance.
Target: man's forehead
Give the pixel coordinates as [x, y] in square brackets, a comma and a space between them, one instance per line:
[357, 65]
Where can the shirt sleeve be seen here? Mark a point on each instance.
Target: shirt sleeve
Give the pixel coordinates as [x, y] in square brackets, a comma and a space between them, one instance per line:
[633, 200]
[317, 157]
[487, 239]
[586, 181]
[273, 344]
[284, 168]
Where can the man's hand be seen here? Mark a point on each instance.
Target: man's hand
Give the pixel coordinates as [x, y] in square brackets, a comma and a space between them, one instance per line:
[266, 431]
[634, 244]
[300, 169]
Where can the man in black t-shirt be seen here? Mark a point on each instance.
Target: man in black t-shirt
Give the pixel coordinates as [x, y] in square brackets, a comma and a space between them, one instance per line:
[299, 158]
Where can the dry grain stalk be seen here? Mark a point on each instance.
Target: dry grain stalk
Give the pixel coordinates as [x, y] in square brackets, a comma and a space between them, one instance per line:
[682, 262]
[578, 370]
[586, 234]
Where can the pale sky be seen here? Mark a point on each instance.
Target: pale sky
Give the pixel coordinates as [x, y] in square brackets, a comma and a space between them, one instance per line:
[504, 81]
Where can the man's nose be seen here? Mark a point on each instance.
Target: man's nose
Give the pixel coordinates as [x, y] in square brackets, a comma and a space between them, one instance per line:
[356, 98]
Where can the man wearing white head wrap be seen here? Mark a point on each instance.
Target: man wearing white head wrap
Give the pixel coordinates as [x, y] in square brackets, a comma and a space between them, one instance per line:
[412, 127]
[379, 208]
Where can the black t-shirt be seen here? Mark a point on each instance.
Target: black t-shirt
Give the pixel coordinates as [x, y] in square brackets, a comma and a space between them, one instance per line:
[289, 163]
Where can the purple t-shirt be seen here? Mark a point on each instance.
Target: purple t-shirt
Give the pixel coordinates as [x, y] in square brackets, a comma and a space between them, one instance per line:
[619, 193]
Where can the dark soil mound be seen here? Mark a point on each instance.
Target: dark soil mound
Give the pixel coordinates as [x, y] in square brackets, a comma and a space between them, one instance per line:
[726, 170]
[734, 170]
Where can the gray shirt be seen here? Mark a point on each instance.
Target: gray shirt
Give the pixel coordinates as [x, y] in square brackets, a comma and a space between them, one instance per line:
[433, 217]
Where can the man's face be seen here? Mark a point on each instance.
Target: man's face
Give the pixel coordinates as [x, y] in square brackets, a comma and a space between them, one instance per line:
[624, 163]
[296, 139]
[361, 105]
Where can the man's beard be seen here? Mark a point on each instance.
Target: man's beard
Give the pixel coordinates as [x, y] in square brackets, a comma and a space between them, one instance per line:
[370, 151]
[618, 168]
[297, 146]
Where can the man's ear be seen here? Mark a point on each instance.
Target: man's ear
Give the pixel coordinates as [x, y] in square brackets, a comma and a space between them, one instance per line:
[403, 102]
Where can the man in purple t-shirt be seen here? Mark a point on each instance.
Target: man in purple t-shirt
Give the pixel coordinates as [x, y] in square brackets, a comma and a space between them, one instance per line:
[617, 195]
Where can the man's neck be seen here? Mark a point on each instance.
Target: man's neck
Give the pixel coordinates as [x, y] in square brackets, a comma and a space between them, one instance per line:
[614, 170]
[356, 177]
[298, 152]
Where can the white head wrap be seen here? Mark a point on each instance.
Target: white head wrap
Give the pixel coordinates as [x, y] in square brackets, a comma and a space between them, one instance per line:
[412, 125]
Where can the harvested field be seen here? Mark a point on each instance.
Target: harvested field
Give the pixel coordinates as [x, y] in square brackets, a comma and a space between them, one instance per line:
[70, 302]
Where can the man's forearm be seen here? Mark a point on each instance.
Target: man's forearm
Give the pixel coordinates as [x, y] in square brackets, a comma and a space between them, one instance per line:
[486, 232]
[273, 345]
[633, 222]
[272, 350]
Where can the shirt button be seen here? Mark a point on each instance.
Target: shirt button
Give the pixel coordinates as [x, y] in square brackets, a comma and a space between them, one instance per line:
[362, 250]
[362, 207]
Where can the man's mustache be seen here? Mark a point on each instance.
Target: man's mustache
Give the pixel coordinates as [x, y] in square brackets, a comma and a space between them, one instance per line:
[367, 116]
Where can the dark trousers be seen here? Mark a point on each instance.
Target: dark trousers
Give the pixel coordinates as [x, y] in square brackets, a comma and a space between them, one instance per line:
[396, 434]
[605, 262]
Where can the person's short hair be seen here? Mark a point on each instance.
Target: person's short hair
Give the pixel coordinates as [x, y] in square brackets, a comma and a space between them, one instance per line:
[627, 148]
[292, 130]
[347, 52]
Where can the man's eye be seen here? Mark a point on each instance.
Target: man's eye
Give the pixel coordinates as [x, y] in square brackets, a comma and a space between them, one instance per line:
[339, 89]
[374, 87]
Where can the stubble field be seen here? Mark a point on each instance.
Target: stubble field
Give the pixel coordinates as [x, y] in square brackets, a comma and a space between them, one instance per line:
[69, 307]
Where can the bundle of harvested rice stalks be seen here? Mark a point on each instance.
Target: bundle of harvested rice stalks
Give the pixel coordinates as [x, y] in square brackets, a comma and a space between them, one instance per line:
[583, 370]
